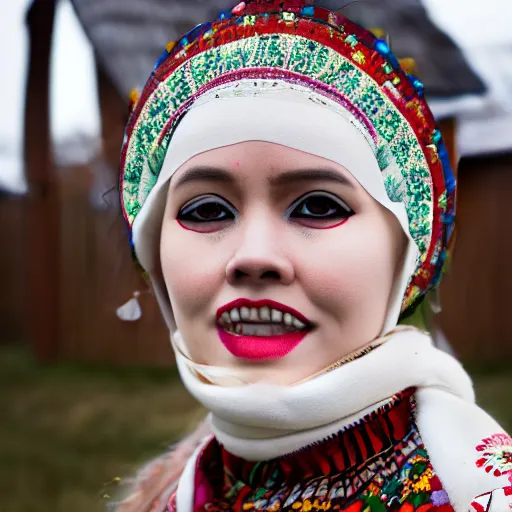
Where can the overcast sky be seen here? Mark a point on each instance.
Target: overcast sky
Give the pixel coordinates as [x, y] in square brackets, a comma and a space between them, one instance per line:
[73, 97]
[73, 90]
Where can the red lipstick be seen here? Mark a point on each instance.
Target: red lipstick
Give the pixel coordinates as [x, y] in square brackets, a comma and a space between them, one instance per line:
[260, 330]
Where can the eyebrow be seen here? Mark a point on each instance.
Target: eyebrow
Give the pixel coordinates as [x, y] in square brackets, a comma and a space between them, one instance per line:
[205, 173]
[219, 175]
[315, 174]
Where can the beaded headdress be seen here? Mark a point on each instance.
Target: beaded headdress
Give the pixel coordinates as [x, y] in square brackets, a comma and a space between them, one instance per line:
[295, 42]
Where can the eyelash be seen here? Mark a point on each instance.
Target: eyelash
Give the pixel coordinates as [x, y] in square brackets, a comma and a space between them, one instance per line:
[186, 214]
[338, 211]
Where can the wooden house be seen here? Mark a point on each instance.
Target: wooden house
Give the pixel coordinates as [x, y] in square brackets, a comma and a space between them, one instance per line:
[73, 267]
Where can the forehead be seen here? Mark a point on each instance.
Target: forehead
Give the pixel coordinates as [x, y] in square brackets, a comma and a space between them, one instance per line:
[259, 160]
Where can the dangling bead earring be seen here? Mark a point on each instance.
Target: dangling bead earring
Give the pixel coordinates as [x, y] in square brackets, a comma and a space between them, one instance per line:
[131, 311]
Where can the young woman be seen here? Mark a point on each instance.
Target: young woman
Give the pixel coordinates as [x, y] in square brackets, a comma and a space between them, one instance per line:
[291, 199]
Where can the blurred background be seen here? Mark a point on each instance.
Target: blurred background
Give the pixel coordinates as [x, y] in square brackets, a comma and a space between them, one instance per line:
[88, 388]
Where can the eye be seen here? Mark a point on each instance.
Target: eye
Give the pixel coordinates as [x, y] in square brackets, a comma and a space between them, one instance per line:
[320, 210]
[206, 214]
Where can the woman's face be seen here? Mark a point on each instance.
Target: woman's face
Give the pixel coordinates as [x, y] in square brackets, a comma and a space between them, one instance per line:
[276, 260]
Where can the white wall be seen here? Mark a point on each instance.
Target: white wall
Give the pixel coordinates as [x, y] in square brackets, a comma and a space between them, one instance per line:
[74, 106]
[483, 31]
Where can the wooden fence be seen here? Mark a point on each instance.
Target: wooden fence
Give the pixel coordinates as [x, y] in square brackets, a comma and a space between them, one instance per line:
[476, 294]
[76, 262]
[12, 266]
[97, 276]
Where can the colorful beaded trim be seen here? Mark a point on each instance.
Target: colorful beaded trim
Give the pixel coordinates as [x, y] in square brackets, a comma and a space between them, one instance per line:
[380, 464]
[297, 43]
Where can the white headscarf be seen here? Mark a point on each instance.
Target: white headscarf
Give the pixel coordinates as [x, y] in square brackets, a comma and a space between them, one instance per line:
[281, 113]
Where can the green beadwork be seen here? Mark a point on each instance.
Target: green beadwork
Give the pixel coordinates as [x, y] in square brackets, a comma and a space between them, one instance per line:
[147, 147]
[249, 20]
[388, 68]
[351, 40]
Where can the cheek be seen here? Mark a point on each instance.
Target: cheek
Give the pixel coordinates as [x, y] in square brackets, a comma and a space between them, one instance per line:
[350, 271]
[192, 270]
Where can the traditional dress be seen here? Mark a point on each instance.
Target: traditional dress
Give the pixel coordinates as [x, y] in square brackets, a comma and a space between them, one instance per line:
[393, 427]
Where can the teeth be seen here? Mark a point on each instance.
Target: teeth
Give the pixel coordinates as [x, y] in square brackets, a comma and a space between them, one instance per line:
[256, 330]
[276, 316]
[265, 314]
[278, 329]
[234, 315]
[248, 329]
[260, 329]
[262, 321]
[298, 324]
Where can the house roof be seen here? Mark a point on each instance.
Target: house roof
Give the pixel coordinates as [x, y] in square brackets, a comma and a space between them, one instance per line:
[129, 35]
[441, 65]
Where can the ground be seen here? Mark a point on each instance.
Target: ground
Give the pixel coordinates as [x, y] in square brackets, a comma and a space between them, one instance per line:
[67, 432]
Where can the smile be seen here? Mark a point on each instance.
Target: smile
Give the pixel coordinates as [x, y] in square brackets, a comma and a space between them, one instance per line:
[260, 329]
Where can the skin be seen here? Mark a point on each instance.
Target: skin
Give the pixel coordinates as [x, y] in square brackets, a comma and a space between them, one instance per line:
[338, 273]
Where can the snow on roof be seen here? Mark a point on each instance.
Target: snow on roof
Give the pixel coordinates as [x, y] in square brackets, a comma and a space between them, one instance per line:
[129, 36]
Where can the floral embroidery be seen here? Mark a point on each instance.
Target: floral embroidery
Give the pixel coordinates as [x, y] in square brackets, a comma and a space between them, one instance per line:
[377, 465]
[484, 502]
[496, 455]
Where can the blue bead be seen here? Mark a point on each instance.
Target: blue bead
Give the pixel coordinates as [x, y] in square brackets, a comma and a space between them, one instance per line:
[197, 31]
[417, 84]
[224, 15]
[448, 219]
[160, 59]
[393, 60]
[382, 47]
[449, 179]
[445, 160]
[308, 11]
[184, 41]
[451, 183]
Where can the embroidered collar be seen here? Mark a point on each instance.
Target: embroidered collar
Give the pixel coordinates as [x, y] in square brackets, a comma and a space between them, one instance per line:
[350, 448]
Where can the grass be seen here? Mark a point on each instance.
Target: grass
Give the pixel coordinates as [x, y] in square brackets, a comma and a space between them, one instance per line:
[67, 431]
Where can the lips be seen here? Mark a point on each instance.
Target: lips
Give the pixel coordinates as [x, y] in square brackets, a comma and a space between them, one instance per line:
[259, 330]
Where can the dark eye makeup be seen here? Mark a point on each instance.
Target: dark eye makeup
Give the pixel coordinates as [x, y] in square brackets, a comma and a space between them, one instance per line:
[318, 209]
[206, 214]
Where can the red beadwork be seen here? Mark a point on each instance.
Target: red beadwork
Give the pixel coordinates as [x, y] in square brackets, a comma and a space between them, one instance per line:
[319, 472]
[239, 9]
[265, 6]
[331, 30]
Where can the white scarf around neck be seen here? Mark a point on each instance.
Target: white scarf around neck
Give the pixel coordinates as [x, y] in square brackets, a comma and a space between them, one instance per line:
[261, 421]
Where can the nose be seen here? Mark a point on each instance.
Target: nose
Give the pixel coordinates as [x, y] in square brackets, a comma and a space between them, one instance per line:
[259, 257]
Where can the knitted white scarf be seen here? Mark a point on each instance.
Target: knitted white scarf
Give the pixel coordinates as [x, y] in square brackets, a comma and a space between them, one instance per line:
[263, 421]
